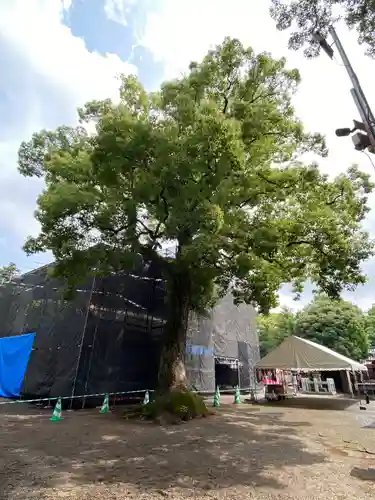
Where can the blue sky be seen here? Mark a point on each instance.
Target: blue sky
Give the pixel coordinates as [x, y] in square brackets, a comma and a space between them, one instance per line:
[104, 31]
[57, 54]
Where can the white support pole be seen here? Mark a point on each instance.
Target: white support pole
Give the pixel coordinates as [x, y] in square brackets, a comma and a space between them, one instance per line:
[349, 383]
[356, 383]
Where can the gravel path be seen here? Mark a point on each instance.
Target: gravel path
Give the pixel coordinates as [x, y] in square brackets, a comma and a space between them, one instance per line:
[244, 452]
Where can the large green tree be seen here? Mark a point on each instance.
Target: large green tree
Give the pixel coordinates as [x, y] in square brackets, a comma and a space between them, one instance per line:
[336, 324]
[209, 162]
[310, 16]
[273, 329]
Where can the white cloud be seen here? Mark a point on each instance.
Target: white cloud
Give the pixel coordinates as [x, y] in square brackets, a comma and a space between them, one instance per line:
[118, 10]
[46, 73]
[35, 29]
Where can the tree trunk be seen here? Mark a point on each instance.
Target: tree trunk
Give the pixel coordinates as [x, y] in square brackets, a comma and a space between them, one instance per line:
[172, 374]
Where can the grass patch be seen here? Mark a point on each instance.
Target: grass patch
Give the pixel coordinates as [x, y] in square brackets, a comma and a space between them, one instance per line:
[171, 408]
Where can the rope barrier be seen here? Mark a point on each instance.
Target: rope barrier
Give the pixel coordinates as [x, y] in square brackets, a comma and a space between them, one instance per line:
[102, 394]
[39, 400]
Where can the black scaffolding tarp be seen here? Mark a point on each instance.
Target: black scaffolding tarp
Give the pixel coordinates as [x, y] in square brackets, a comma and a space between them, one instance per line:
[108, 338]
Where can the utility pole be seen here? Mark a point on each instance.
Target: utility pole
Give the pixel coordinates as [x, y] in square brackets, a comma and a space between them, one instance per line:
[361, 140]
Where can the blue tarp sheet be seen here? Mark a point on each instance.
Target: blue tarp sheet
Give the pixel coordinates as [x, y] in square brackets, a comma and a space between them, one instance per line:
[14, 356]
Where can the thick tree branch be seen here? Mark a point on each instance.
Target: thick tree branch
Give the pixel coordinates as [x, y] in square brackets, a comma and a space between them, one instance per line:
[264, 96]
[275, 183]
[337, 197]
[306, 242]
[226, 97]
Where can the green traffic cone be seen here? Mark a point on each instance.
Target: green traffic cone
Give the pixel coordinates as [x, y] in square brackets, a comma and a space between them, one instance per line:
[146, 399]
[105, 405]
[217, 398]
[237, 396]
[56, 415]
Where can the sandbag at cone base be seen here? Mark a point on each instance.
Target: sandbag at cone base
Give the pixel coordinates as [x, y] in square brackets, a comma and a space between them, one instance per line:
[237, 396]
[57, 412]
[105, 405]
[216, 403]
[146, 399]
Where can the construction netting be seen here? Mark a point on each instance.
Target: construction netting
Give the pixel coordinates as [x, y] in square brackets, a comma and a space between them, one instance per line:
[108, 338]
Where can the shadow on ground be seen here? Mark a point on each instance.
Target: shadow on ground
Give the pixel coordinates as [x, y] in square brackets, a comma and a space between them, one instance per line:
[364, 474]
[312, 403]
[239, 446]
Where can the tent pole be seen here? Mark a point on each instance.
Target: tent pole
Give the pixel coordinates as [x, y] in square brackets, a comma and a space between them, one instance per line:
[249, 381]
[91, 356]
[82, 339]
[350, 385]
[356, 383]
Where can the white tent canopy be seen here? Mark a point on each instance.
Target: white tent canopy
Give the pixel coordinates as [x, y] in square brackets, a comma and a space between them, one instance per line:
[301, 354]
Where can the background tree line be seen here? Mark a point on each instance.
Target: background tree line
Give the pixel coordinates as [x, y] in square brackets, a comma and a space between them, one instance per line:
[8, 272]
[337, 324]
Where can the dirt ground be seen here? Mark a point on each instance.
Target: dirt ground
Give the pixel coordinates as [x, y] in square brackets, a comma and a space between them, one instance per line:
[244, 452]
